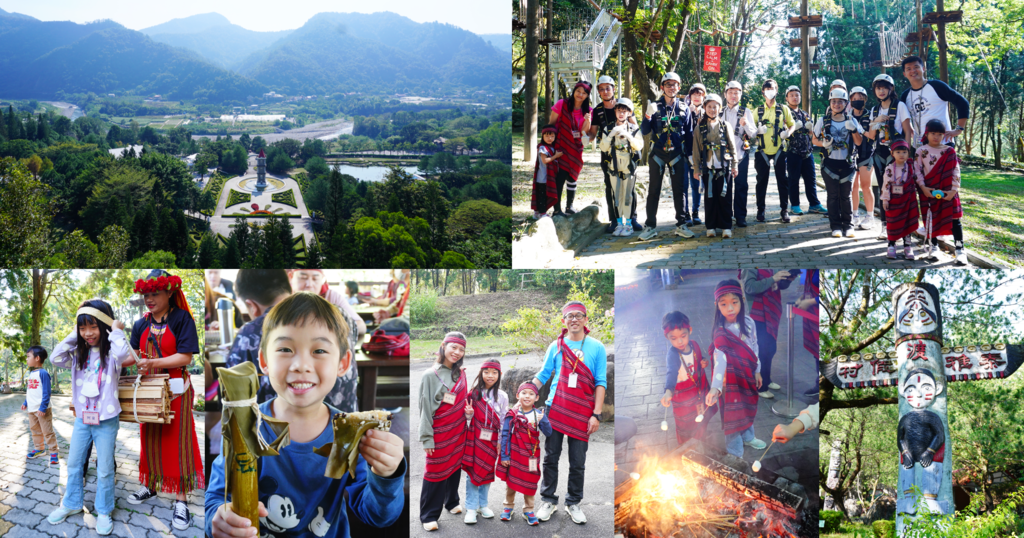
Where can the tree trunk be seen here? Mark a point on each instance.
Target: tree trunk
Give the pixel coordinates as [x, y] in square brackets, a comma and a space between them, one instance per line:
[445, 290]
[530, 102]
[40, 295]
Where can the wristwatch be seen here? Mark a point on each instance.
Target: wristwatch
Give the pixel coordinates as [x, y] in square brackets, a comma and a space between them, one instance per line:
[595, 415]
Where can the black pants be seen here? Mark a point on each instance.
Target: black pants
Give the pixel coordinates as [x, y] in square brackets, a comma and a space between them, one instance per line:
[563, 179]
[718, 208]
[884, 153]
[798, 167]
[542, 195]
[435, 495]
[958, 234]
[609, 197]
[577, 467]
[839, 203]
[676, 174]
[761, 166]
[766, 346]
[739, 203]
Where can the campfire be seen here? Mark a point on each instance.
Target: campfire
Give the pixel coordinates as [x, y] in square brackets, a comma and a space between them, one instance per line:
[691, 495]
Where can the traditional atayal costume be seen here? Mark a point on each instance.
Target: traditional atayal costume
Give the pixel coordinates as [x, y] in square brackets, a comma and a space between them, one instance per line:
[899, 188]
[544, 194]
[688, 396]
[739, 399]
[569, 141]
[441, 476]
[766, 311]
[523, 453]
[170, 459]
[482, 440]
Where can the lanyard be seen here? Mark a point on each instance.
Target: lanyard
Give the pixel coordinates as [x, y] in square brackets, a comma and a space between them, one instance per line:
[445, 385]
[578, 359]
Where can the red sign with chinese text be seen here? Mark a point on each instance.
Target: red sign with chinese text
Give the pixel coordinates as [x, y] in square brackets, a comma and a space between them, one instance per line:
[712, 59]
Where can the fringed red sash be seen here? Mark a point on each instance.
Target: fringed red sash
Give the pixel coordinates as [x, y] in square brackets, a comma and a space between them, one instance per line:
[766, 307]
[688, 399]
[941, 178]
[480, 456]
[570, 146]
[810, 329]
[449, 436]
[902, 217]
[571, 409]
[550, 188]
[170, 459]
[524, 441]
[739, 393]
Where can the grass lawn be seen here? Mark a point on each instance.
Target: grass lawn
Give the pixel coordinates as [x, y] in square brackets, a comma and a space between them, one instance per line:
[476, 345]
[992, 221]
[852, 530]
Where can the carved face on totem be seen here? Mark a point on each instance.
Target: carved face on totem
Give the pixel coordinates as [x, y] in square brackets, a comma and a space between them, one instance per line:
[915, 312]
[920, 389]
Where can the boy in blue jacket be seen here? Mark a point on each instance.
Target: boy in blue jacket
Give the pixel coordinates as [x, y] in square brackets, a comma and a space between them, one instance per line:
[303, 351]
[37, 403]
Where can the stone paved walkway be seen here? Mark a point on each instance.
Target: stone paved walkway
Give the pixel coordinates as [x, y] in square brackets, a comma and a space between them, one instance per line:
[640, 370]
[31, 489]
[805, 242]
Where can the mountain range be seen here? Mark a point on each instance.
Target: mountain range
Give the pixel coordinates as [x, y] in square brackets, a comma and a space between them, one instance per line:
[207, 57]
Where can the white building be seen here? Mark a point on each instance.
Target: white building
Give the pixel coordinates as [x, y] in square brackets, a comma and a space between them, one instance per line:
[118, 152]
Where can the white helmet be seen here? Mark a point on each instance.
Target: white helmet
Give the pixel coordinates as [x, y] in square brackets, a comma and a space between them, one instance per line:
[626, 102]
[605, 79]
[733, 84]
[858, 89]
[792, 89]
[838, 82]
[883, 78]
[671, 76]
[713, 97]
[838, 93]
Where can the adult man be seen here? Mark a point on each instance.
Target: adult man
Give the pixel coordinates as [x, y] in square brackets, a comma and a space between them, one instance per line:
[927, 100]
[605, 115]
[742, 121]
[695, 102]
[579, 368]
[799, 158]
[775, 124]
[667, 118]
[218, 284]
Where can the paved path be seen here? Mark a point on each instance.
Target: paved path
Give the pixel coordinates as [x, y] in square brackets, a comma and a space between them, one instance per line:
[804, 242]
[598, 490]
[640, 370]
[31, 489]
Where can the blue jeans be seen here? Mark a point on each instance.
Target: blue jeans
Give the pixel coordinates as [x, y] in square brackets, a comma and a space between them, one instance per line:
[695, 194]
[103, 436]
[797, 168]
[734, 442]
[476, 496]
[739, 203]
[766, 347]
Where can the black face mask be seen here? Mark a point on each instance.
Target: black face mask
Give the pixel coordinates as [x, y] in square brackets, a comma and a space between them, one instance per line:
[857, 105]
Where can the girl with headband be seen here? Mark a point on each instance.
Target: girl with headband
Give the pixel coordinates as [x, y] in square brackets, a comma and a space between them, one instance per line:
[736, 367]
[444, 412]
[165, 340]
[686, 384]
[95, 351]
[490, 404]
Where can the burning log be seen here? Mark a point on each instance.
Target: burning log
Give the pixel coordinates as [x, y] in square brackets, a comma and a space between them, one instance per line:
[742, 483]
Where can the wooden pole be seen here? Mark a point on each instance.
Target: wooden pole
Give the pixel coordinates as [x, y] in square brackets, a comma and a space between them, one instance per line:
[943, 72]
[805, 61]
[530, 104]
[547, 49]
[920, 36]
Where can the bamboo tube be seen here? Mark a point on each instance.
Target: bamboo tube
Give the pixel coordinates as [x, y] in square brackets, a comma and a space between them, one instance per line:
[245, 499]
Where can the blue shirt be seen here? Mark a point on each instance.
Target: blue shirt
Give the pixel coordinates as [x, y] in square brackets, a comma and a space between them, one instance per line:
[506, 432]
[302, 501]
[595, 356]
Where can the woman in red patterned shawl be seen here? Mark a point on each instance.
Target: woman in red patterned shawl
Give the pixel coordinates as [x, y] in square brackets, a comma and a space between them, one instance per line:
[572, 117]
[445, 411]
[737, 371]
[165, 340]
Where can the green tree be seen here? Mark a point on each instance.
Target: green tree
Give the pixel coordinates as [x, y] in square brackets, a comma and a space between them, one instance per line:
[209, 253]
[454, 260]
[151, 259]
[113, 247]
[232, 257]
[25, 212]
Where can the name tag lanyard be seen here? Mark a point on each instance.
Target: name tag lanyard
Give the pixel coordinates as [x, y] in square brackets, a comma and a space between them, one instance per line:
[92, 418]
[449, 396]
[573, 376]
[897, 184]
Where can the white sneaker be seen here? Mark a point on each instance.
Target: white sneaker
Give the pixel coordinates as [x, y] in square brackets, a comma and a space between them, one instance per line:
[618, 231]
[60, 514]
[756, 444]
[470, 517]
[726, 233]
[882, 234]
[683, 231]
[486, 513]
[456, 510]
[849, 233]
[647, 234]
[104, 525]
[537, 215]
[774, 386]
[766, 394]
[432, 526]
[867, 223]
[961, 257]
[855, 220]
[627, 230]
[576, 514]
[711, 232]
[837, 233]
[545, 510]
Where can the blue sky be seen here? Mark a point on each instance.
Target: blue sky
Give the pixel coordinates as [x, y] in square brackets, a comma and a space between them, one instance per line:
[481, 17]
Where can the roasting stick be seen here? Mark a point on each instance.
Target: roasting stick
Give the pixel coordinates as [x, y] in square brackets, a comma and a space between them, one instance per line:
[757, 464]
[664, 422]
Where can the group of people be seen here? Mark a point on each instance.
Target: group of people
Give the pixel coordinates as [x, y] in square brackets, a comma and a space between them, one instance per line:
[162, 341]
[473, 429]
[744, 332]
[705, 145]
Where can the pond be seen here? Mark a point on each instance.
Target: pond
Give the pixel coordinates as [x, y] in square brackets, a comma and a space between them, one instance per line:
[371, 173]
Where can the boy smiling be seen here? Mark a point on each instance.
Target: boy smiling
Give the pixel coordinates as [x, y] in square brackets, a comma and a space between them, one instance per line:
[305, 347]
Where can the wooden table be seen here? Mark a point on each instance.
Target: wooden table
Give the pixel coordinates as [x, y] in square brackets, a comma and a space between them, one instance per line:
[372, 366]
